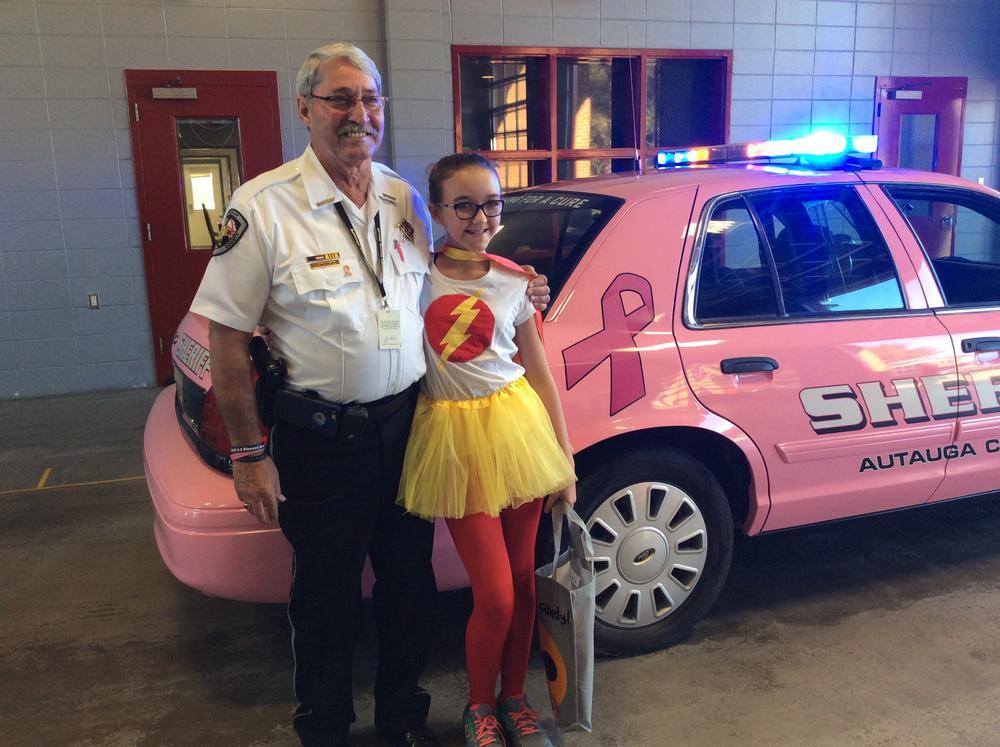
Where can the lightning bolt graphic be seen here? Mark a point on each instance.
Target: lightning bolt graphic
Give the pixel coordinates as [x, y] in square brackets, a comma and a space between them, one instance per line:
[453, 339]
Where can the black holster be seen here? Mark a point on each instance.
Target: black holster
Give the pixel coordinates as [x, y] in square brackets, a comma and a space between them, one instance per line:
[270, 378]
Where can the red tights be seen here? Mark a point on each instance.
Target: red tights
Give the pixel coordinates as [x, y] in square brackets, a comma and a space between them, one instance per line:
[499, 555]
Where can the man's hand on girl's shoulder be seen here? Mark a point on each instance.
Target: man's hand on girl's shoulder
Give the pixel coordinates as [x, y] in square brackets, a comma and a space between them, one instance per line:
[538, 288]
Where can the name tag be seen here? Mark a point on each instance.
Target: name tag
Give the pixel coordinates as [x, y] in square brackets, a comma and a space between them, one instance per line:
[389, 336]
[330, 259]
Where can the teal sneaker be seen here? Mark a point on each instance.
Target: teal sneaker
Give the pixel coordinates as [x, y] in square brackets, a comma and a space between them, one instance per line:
[522, 724]
[482, 728]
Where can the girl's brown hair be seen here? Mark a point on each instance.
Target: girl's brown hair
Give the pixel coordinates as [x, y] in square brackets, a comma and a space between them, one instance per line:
[448, 165]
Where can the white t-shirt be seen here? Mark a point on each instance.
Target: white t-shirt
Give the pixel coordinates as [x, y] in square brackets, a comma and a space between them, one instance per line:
[469, 333]
[294, 268]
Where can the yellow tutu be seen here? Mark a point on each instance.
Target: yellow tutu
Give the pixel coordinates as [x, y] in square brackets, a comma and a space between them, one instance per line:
[481, 455]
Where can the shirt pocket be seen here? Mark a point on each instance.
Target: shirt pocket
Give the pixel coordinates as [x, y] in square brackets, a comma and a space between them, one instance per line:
[412, 270]
[332, 295]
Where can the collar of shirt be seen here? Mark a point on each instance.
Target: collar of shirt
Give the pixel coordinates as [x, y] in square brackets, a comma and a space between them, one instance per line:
[321, 190]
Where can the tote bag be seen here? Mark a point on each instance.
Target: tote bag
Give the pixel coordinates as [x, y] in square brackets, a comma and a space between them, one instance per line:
[564, 592]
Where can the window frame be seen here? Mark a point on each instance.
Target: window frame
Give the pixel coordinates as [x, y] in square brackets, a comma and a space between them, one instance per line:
[689, 307]
[639, 58]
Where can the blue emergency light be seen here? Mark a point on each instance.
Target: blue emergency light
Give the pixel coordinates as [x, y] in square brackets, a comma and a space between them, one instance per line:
[817, 148]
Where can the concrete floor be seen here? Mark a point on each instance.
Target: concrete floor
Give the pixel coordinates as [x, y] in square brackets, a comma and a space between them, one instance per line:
[879, 631]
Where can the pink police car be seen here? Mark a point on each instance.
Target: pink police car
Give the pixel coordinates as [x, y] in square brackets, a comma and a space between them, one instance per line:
[738, 348]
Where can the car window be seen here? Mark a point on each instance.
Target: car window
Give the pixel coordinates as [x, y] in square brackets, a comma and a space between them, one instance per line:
[829, 255]
[960, 233]
[551, 230]
[734, 281]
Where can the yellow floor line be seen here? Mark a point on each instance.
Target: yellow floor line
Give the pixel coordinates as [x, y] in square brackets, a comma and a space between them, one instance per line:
[70, 485]
[45, 476]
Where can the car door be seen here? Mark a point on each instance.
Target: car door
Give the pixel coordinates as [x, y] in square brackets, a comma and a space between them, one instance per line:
[804, 324]
[967, 269]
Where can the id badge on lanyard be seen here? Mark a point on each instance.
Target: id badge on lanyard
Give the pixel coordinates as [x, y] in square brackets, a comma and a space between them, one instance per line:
[387, 319]
[389, 334]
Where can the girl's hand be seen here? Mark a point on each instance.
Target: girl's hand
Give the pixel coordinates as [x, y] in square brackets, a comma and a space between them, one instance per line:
[567, 494]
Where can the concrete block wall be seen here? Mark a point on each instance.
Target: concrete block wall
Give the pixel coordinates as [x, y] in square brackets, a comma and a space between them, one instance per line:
[68, 217]
[68, 212]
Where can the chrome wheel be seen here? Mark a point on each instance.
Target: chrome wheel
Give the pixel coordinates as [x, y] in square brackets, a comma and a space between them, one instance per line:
[651, 546]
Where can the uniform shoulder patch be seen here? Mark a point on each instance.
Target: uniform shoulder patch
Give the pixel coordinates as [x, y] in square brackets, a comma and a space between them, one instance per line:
[234, 225]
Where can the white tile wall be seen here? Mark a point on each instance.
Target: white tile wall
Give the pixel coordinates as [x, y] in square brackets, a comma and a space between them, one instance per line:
[68, 212]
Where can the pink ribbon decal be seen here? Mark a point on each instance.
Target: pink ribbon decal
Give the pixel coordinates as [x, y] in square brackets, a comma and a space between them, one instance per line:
[615, 341]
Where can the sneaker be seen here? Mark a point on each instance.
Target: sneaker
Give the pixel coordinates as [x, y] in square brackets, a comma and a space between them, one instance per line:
[522, 724]
[482, 728]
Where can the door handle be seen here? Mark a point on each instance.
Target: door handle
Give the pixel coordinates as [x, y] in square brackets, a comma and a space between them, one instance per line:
[748, 365]
[980, 344]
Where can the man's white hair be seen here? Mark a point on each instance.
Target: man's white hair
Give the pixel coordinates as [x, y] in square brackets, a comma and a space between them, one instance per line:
[309, 76]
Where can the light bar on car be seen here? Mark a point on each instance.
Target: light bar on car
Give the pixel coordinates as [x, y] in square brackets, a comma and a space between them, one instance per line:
[822, 145]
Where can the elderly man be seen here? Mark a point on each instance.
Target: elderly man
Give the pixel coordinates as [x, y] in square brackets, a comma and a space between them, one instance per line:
[331, 251]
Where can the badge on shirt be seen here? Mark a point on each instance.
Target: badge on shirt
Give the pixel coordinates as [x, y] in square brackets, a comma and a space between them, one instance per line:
[234, 225]
[406, 228]
[330, 259]
[389, 336]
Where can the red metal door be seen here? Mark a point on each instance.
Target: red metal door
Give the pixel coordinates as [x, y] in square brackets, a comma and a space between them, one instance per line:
[919, 122]
[196, 136]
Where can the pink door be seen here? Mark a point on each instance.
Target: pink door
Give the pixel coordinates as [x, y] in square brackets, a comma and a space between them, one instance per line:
[919, 122]
[969, 278]
[808, 331]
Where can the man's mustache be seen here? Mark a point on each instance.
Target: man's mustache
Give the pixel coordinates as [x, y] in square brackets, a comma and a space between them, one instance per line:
[355, 130]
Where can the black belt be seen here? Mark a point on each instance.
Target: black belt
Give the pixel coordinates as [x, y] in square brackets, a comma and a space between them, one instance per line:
[334, 419]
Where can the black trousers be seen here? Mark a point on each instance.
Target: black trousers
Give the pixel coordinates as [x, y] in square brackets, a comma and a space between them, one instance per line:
[341, 507]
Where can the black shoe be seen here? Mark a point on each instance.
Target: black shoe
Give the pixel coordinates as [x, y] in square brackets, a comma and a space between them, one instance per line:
[416, 736]
[314, 731]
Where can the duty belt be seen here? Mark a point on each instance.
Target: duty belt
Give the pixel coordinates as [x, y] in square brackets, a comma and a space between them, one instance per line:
[334, 419]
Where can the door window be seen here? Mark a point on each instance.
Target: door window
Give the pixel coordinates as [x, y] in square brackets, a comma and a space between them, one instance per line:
[820, 248]
[735, 281]
[960, 233]
[918, 141]
[209, 151]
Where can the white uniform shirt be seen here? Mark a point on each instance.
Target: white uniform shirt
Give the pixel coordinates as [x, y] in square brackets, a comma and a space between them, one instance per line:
[469, 333]
[296, 270]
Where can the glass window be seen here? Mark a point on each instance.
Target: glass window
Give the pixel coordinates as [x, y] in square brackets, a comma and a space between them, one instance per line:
[829, 255]
[960, 233]
[210, 172]
[551, 230]
[504, 103]
[588, 92]
[582, 113]
[734, 281]
[683, 105]
[522, 173]
[577, 168]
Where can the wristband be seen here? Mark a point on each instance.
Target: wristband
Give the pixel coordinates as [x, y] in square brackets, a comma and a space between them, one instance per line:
[247, 449]
[250, 458]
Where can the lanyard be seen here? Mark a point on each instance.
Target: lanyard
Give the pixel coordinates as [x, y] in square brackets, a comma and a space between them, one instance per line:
[345, 218]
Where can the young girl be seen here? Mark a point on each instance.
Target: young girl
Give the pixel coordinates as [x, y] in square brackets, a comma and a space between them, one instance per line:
[488, 439]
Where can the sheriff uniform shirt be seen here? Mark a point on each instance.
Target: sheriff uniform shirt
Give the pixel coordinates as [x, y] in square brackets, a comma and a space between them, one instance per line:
[289, 263]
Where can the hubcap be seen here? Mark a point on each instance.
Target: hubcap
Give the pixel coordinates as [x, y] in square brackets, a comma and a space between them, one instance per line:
[651, 545]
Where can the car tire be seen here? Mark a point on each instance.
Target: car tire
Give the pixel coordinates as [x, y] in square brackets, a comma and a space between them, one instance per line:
[663, 541]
